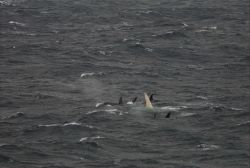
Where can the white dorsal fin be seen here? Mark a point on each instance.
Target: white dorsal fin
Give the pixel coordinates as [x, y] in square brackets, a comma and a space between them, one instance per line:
[147, 101]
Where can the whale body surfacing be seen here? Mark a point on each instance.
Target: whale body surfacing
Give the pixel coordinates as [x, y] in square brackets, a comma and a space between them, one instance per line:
[148, 103]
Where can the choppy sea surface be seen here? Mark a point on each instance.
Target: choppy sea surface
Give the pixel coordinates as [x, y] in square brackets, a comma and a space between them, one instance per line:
[61, 59]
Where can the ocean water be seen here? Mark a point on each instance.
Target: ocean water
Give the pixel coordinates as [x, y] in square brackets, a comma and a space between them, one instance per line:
[61, 59]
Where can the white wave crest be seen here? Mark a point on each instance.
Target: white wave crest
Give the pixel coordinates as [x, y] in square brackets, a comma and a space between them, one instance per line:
[172, 108]
[90, 74]
[65, 125]
[130, 103]
[49, 125]
[111, 111]
[187, 114]
[71, 123]
[94, 111]
[244, 123]
[202, 97]
[98, 104]
[90, 138]
[17, 23]
[236, 109]
[206, 147]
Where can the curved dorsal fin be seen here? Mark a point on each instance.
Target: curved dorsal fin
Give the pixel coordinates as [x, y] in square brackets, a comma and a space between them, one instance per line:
[134, 100]
[147, 101]
[151, 97]
[168, 115]
[120, 100]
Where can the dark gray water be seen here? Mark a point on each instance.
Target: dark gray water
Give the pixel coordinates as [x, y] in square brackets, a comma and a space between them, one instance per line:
[60, 58]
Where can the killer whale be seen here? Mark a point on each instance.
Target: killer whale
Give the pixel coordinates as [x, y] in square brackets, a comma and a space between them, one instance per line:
[149, 106]
[148, 103]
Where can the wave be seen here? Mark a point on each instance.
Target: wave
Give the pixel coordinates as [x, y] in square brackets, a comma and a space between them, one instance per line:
[206, 29]
[187, 114]
[244, 123]
[173, 108]
[17, 23]
[169, 34]
[86, 74]
[66, 124]
[110, 111]
[93, 111]
[206, 147]
[90, 138]
[202, 97]
[236, 109]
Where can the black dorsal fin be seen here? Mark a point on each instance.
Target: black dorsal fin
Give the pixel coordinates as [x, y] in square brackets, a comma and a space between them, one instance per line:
[168, 115]
[120, 100]
[151, 97]
[134, 100]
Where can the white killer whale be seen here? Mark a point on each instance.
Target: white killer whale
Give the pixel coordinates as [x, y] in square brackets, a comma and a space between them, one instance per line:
[149, 106]
[148, 103]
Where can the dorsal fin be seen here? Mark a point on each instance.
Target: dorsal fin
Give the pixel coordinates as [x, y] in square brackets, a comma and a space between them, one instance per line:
[168, 115]
[151, 97]
[134, 100]
[147, 101]
[120, 100]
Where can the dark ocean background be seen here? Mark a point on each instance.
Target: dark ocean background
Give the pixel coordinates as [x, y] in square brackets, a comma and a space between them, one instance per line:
[59, 59]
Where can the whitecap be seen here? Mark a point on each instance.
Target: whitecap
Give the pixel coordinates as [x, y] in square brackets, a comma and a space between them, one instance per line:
[87, 74]
[49, 125]
[187, 114]
[111, 111]
[90, 138]
[93, 111]
[83, 139]
[184, 25]
[212, 27]
[89, 126]
[202, 97]
[130, 103]
[71, 123]
[148, 49]
[125, 40]
[206, 147]
[98, 104]
[65, 125]
[90, 74]
[206, 29]
[201, 30]
[172, 108]
[170, 32]
[16, 23]
[102, 52]
[138, 43]
[243, 123]
[236, 109]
